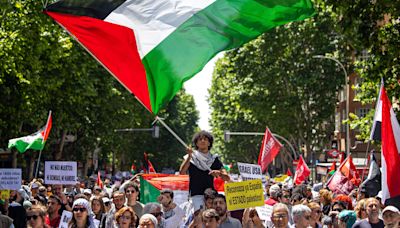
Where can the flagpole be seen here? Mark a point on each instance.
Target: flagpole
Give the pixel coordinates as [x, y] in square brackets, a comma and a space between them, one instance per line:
[38, 162]
[171, 131]
[366, 159]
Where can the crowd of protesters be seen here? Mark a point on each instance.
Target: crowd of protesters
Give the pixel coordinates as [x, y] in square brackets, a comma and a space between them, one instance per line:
[118, 204]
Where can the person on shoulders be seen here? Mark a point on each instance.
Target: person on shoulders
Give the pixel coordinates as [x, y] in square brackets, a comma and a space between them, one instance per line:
[202, 166]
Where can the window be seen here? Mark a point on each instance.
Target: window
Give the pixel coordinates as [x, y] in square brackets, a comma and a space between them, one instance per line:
[362, 112]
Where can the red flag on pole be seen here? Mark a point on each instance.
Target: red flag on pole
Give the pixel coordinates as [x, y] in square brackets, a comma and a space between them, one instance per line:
[269, 149]
[302, 171]
[345, 178]
[289, 173]
[99, 181]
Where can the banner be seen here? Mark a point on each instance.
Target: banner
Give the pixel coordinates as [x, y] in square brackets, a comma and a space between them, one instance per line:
[251, 172]
[245, 194]
[10, 179]
[60, 172]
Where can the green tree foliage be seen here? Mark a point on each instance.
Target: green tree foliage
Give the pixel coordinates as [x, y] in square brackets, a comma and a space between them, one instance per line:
[371, 26]
[42, 68]
[274, 81]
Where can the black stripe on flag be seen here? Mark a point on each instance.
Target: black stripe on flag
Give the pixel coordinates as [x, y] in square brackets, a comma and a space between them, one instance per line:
[372, 185]
[99, 9]
[376, 131]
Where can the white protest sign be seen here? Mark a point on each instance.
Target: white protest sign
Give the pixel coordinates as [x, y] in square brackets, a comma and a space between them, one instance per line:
[250, 172]
[65, 218]
[10, 179]
[264, 212]
[60, 172]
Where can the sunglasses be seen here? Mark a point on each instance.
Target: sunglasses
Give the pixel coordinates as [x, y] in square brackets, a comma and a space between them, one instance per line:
[107, 204]
[30, 217]
[337, 209]
[82, 209]
[157, 214]
[129, 191]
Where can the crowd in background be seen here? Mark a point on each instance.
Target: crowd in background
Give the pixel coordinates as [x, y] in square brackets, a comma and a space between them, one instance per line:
[118, 205]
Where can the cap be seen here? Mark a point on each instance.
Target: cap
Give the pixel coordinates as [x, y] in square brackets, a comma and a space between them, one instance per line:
[87, 191]
[97, 188]
[106, 199]
[379, 195]
[390, 208]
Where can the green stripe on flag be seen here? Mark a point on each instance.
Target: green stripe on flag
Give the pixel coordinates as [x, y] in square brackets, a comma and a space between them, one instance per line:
[148, 193]
[223, 25]
[22, 145]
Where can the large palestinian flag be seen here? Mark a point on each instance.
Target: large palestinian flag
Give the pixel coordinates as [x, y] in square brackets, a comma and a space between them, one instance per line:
[152, 184]
[153, 46]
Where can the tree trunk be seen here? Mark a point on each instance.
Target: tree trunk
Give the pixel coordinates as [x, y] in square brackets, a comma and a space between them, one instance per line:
[14, 158]
[58, 153]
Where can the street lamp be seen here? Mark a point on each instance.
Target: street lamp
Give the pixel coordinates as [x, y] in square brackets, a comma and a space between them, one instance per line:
[346, 80]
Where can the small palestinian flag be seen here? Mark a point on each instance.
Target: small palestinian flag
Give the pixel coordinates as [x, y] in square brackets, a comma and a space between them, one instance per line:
[332, 169]
[153, 46]
[35, 141]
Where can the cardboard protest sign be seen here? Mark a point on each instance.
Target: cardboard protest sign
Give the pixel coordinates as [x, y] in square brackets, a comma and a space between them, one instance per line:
[264, 212]
[251, 172]
[60, 172]
[10, 179]
[65, 218]
[240, 195]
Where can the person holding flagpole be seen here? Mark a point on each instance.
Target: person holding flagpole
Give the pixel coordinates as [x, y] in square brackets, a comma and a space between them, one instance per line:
[202, 167]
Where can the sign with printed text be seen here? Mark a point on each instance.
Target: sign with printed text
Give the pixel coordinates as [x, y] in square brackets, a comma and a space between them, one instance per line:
[10, 179]
[65, 218]
[60, 172]
[245, 194]
[250, 172]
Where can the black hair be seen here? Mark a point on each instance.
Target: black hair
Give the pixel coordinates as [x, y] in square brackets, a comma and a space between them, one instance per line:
[202, 134]
[167, 191]
[340, 203]
[220, 196]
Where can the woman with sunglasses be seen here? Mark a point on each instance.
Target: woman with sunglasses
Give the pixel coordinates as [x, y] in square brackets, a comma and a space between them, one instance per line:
[125, 218]
[82, 215]
[35, 217]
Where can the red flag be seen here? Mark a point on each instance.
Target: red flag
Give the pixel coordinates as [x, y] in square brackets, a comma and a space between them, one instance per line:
[269, 149]
[302, 171]
[148, 167]
[345, 178]
[390, 135]
[289, 173]
[47, 129]
[99, 181]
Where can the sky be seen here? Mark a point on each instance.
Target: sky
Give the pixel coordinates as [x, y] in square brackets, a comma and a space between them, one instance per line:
[198, 87]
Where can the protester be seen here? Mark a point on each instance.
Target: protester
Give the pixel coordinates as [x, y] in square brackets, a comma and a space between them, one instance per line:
[156, 210]
[226, 221]
[107, 204]
[148, 221]
[53, 211]
[98, 209]
[172, 214]
[325, 198]
[391, 217]
[132, 195]
[118, 200]
[210, 218]
[5, 221]
[372, 220]
[202, 167]
[36, 217]
[316, 213]
[301, 216]
[360, 210]
[16, 210]
[251, 219]
[82, 215]
[275, 194]
[280, 215]
[125, 218]
[346, 219]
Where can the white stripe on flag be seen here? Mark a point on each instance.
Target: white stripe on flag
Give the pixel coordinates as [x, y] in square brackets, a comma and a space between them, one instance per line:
[154, 20]
[377, 115]
[396, 129]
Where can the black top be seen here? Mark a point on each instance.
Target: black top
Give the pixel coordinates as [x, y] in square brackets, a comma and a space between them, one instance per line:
[199, 180]
[365, 224]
